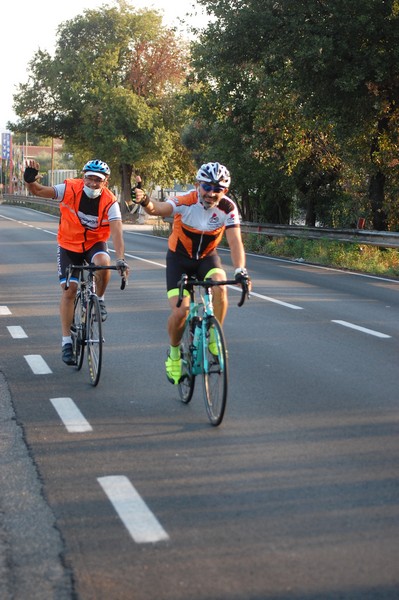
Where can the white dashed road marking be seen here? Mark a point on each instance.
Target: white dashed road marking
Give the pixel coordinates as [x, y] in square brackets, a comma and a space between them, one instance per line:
[16, 332]
[37, 364]
[4, 310]
[140, 522]
[362, 329]
[70, 415]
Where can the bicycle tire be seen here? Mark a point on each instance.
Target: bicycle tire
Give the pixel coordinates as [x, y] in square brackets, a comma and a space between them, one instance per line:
[187, 381]
[94, 340]
[215, 378]
[78, 332]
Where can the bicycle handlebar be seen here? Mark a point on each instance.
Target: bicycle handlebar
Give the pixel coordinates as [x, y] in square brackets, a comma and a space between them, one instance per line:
[188, 284]
[71, 268]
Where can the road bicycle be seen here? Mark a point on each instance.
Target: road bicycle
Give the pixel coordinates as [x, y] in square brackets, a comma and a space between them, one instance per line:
[86, 328]
[203, 347]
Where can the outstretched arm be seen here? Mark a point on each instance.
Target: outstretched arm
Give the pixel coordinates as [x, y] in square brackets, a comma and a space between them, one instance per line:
[31, 176]
[152, 207]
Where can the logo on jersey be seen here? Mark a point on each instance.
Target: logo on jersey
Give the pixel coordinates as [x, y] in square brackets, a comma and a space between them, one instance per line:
[232, 219]
[214, 219]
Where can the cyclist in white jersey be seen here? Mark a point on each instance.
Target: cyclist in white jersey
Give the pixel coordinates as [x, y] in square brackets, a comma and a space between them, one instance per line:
[89, 215]
[200, 218]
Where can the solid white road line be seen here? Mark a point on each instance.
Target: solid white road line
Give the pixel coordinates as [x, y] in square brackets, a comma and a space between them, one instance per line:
[145, 260]
[286, 304]
[4, 310]
[37, 364]
[362, 329]
[134, 513]
[16, 332]
[70, 415]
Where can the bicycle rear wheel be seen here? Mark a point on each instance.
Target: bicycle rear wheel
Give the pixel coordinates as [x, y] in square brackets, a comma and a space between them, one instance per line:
[94, 340]
[78, 332]
[215, 371]
[187, 381]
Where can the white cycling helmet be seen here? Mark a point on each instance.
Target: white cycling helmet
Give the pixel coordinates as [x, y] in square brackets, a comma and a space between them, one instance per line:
[97, 167]
[214, 173]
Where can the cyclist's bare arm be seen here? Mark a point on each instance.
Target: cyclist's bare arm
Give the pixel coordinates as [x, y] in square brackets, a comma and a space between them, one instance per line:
[160, 209]
[117, 238]
[234, 240]
[116, 229]
[153, 207]
[34, 187]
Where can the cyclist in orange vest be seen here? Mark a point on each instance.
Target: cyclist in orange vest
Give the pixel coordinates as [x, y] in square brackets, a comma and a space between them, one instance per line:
[200, 218]
[90, 214]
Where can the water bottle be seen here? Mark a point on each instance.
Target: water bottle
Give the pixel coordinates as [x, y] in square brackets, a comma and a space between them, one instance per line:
[197, 336]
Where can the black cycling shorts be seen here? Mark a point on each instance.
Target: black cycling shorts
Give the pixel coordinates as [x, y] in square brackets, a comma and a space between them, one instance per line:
[177, 265]
[67, 257]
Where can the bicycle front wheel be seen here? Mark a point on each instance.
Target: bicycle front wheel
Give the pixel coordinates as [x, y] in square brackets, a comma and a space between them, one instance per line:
[78, 331]
[215, 370]
[94, 340]
[187, 381]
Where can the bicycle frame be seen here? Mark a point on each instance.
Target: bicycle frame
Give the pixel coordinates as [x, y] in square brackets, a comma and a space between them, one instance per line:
[86, 328]
[88, 284]
[203, 347]
[199, 312]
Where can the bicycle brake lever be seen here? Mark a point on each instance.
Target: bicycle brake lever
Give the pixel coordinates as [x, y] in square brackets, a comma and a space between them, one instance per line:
[244, 293]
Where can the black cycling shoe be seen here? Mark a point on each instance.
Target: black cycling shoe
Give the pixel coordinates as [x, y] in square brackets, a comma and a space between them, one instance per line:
[67, 354]
[103, 310]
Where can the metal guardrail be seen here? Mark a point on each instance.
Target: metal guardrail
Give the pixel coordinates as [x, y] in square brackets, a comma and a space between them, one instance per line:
[384, 239]
[23, 200]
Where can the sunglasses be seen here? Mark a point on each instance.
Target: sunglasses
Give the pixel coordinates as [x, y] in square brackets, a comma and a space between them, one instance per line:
[212, 188]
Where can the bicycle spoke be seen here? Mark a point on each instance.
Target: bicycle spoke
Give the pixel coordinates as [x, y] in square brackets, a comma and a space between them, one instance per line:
[94, 340]
[78, 332]
[215, 371]
[186, 385]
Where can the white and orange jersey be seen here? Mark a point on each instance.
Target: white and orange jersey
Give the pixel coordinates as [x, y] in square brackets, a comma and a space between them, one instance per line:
[197, 231]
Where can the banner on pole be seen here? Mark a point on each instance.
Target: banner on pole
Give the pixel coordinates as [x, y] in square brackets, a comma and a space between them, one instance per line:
[6, 146]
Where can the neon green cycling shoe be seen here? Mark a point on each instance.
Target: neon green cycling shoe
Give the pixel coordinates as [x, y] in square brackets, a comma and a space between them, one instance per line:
[212, 344]
[173, 369]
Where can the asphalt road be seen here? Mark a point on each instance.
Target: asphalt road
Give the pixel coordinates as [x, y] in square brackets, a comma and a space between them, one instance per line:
[120, 492]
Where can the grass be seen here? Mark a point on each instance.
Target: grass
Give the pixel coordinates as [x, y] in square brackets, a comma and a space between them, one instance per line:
[362, 258]
[356, 257]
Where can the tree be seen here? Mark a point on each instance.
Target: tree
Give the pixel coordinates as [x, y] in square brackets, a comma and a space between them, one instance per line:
[107, 91]
[253, 119]
[339, 61]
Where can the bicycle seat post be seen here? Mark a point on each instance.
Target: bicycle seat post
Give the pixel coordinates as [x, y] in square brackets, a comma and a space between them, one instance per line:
[92, 280]
[208, 296]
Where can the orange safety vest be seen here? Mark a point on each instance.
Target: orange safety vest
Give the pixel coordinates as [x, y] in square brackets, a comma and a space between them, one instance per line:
[72, 235]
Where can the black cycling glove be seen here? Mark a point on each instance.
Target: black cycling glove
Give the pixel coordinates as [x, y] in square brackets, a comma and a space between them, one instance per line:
[30, 174]
[145, 199]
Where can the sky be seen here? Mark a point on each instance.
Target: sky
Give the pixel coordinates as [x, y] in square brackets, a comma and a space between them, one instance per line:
[27, 26]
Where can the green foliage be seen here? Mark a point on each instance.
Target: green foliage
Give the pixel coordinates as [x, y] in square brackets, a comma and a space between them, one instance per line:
[299, 99]
[310, 88]
[357, 257]
[107, 91]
